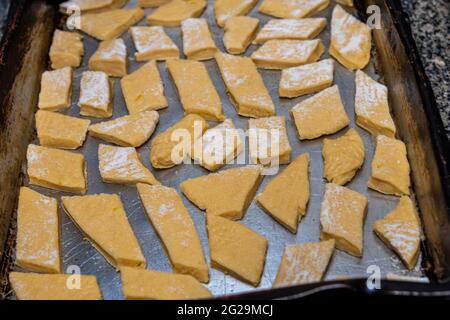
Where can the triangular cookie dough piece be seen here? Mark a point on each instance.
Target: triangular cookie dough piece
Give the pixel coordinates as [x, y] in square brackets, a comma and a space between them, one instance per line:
[280, 54]
[128, 131]
[71, 6]
[351, 40]
[372, 107]
[198, 43]
[342, 157]
[227, 193]
[103, 220]
[289, 206]
[400, 231]
[174, 12]
[56, 89]
[143, 89]
[36, 286]
[111, 58]
[56, 169]
[110, 24]
[66, 50]
[140, 284]
[227, 9]
[37, 244]
[245, 86]
[292, 8]
[390, 167]
[172, 146]
[152, 43]
[195, 88]
[304, 263]
[174, 225]
[346, 2]
[239, 32]
[122, 165]
[96, 95]
[321, 114]
[342, 218]
[151, 3]
[236, 249]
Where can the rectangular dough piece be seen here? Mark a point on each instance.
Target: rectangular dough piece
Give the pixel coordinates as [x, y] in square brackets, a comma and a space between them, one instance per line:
[66, 49]
[198, 43]
[152, 3]
[174, 12]
[228, 9]
[83, 6]
[294, 9]
[56, 89]
[152, 43]
[239, 32]
[111, 58]
[96, 95]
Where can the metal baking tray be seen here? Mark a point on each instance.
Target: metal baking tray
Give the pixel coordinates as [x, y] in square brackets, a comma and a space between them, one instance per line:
[24, 53]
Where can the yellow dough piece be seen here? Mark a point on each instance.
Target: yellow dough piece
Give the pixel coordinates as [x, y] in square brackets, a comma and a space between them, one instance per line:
[198, 43]
[69, 7]
[227, 193]
[140, 284]
[304, 263]
[280, 54]
[56, 89]
[56, 169]
[152, 3]
[36, 286]
[128, 131]
[390, 167]
[346, 2]
[342, 218]
[227, 9]
[174, 225]
[289, 206]
[292, 8]
[195, 88]
[320, 115]
[122, 165]
[245, 86]
[174, 12]
[173, 145]
[37, 244]
[66, 49]
[372, 107]
[351, 40]
[239, 32]
[152, 43]
[96, 95]
[111, 58]
[400, 230]
[236, 249]
[143, 89]
[103, 220]
[342, 157]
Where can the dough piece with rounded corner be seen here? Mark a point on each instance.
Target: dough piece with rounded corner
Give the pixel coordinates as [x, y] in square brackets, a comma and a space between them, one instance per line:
[152, 43]
[228, 9]
[56, 89]
[174, 12]
[239, 32]
[198, 43]
[111, 58]
[294, 9]
[96, 95]
[83, 6]
[66, 50]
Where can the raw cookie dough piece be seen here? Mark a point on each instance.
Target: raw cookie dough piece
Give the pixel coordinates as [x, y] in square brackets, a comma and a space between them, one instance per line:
[128, 131]
[143, 89]
[228, 9]
[390, 167]
[122, 165]
[198, 43]
[346, 2]
[174, 12]
[66, 50]
[304, 263]
[342, 218]
[96, 95]
[56, 89]
[236, 249]
[351, 40]
[372, 107]
[280, 54]
[71, 6]
[239, 32]
[306, 79]
[321, 114]
[289, 206]
[174, 225]
[152, 3]
[195, 88]
[56, 169]
[227, 193]
[292, 8]
[36, 286]
[400, 231]
[111, 58]
[37, 244]
[140, 284]
[342, 157]
[173, 145]
[245, 86]
[103, 220]
[152, 43]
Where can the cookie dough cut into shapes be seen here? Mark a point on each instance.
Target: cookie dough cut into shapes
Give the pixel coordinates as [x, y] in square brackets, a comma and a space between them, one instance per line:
[152, 43]
[83, 6]
[227, 193]
[143, 89]
[56, 169]
[172, 222]
[198, 43]
[228, 9]
[174, 12]
[351, 40]
[320, 115]
[56, 89]
[111, 58]
[292, 8]
[245, 86]
[346, 2]
[342, 218]
[103, 220]
[390, 167]
[140, 284]
[239, 32]
[96, 95]
[152, 3]
[66, 49]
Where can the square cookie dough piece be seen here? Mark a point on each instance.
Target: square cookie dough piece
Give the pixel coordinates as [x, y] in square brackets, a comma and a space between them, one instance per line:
[96, 95]
[175, 11]
[239, 32]
[66, 49]
[294, 9]
[56, 89]
[110, 57]
[152, 43]
[198, 43]
[228, 9]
